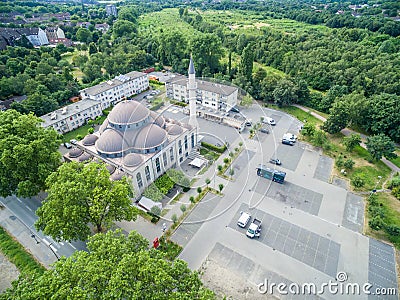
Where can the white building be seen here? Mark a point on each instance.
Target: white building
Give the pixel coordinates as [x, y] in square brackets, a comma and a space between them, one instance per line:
[209, 94]
[137, 142]
[72, 116]
[36, 36]
[111, 10]
[113, 91]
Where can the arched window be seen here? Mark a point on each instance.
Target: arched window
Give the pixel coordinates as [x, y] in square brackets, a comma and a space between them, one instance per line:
[139, 180]
[192, 140]
[147, 172]
[186, 142]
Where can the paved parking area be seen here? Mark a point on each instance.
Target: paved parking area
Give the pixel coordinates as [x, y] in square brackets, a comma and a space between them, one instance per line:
[241, 162]
[291, 194]
[193, 222]
[289, 155]
[340, 182]
[276, 117]
[353, 216]
[324, 168]
[381, 269]
[312, 249]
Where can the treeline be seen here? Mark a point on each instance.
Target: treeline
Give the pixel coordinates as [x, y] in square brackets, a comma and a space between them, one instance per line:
[40, 74]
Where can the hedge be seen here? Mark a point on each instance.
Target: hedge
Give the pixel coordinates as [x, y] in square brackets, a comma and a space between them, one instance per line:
[213, 147]
[157, 106]
[179, 103]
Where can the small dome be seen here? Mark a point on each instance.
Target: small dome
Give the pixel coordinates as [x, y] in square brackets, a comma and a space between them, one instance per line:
[117, 175]
[149, 137]
[89, 140]
[128, 112]
[187, 126]
[84, 157]
[111, 141]
[157, 119]
[110, 169]
[132, 160]
[74, 153]
[174, 129]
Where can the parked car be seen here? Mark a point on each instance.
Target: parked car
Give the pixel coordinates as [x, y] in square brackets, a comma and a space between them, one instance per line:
[269, 121]
[244, 219]
[67, 145]
[287, 142]
[235, 109]
[275, 161]
[254, 229]
[264, 130]
[290, 137]
[73, 142]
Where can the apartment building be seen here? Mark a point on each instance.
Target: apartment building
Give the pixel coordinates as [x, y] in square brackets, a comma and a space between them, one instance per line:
[113, 91]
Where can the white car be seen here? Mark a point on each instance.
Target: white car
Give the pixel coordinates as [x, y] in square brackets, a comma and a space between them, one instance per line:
[269, 121]
[244, 219]
[290, 137]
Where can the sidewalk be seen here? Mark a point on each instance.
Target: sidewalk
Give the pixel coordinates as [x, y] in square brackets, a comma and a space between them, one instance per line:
[347, 132]
[23, 235]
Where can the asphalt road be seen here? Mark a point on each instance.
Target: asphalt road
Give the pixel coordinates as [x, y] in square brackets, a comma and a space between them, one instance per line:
[24, 211]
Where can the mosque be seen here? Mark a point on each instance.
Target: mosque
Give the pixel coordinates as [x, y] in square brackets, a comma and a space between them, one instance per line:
[140, 143]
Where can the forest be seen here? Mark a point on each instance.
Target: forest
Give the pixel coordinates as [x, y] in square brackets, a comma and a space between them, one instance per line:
[261, 49]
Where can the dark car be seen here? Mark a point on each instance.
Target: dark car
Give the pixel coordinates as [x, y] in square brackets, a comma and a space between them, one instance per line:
[264, 130]
[275, 161]
[67, 145]
[234, 109]
[287, 142]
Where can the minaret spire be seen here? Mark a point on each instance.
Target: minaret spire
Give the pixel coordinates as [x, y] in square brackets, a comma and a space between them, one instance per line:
[192, 87]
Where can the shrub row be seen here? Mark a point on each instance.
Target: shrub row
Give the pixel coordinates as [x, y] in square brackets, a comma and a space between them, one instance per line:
[213, 147]
[179, 103]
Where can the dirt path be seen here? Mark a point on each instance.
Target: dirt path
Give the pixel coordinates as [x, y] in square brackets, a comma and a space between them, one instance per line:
[8, 273]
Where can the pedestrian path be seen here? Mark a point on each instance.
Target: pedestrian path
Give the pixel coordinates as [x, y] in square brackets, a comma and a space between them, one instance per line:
[347, 132]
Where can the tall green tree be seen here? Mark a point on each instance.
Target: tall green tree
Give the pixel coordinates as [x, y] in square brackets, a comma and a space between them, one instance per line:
[246, 62]
[285, 93]
[338, 119]
[115, 267]
[380, 145]
[28, 154]
[81, 195]
[206, 50]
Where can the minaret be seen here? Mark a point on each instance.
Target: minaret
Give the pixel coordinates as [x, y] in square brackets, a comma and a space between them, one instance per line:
[192, 87]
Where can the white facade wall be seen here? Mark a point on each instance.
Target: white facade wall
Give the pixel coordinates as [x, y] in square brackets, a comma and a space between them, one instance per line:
[42, 37]
[117, 93]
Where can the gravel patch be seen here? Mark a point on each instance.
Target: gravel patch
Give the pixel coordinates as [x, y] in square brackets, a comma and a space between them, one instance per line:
[8, 273]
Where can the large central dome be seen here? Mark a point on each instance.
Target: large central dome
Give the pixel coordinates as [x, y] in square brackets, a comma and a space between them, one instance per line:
[128, 112]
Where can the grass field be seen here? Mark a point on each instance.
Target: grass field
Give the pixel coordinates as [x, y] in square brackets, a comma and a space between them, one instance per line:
[16, 254]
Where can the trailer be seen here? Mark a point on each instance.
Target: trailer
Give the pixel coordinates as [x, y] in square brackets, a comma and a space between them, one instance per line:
[272, 174]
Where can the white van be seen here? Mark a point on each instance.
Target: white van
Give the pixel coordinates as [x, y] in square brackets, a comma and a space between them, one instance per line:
[269, 121]
[244, 219]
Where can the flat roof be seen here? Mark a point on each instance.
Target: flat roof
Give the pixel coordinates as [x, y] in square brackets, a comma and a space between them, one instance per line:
[71, 110]
[118, 80]
[202, 84]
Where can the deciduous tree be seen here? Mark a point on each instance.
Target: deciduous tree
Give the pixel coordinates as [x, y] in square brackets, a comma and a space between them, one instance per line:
[81, 195]
[28, 154]
[380, 145]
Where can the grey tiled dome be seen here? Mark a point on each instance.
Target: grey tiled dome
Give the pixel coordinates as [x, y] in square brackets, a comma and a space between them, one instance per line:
[76, 152]
[149, 137]
[111, 141]
[174, 129]
[89, 140]
[128, 112]
[132, 160]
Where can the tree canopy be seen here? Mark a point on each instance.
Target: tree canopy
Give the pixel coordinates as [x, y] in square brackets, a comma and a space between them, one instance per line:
[80, 195]
[116, 267]
[28, 154]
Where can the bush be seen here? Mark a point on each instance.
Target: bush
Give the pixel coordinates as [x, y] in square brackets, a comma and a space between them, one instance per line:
[395, 182]
[376, 223]
[79, 137]
[164, 184]
[357, 181]
[199, 190]
[90, 122]
[396, 192]
[219, 168]
[393, 230]
[226, 160]
[174, 218]
[191, 199]
[183, 208]
[339, 161]
[213, 147]
[348, 164]
[240, 144]
[178, 103]
[153, 193]
[90, 130]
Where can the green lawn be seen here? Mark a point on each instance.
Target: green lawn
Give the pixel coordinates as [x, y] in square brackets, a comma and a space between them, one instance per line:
[16, 254]
[299, 114]
[82, 131]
